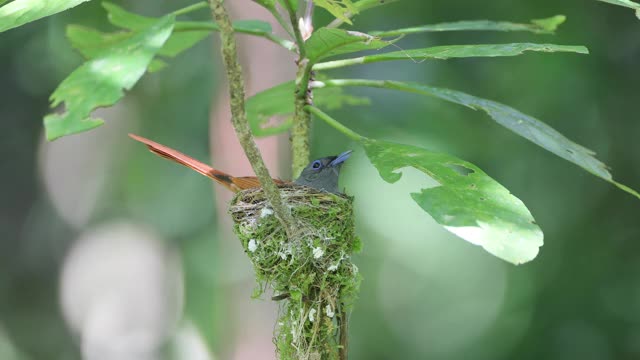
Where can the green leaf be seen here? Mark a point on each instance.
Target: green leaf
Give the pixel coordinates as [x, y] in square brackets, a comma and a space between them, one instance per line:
[20, 12]
[279, 101]
[330, 42]
[453, 51]
[90, 43]
[468, 202]
[262, 107]
[363, 5]
[463, 51]
[522, 124]
[100, 81]
[341, 9]
[178, 42]
[539, 26]
[268, 4]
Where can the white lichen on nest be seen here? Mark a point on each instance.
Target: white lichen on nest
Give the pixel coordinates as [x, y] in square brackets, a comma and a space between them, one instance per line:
[313, 271]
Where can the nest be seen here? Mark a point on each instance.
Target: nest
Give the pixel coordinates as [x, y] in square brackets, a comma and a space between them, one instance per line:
[312, 272]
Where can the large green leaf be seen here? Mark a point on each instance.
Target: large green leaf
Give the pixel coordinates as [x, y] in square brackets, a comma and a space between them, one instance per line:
[626, 3]
[20, 12]
[278, 101]
[539, 26]
[100, 81]
[522, 124]
[468, 202]
[330, 42]
[453, 51]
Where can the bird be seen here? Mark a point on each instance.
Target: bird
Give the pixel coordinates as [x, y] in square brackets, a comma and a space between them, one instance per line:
[321, 174]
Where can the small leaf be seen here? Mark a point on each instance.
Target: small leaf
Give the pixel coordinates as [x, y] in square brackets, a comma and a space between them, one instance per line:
[626, 3]
[99, 82]
[550, 24]
[262, 107]
[542, 26]
[20, 12]
[279, 101]
[464, 51]
[341, 9]
[330, 42]
[177, 43]
[468, 202]
[363, 5]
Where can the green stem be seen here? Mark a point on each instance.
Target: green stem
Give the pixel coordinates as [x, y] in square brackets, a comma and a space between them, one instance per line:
[293, 18]
[191, 8]
[281, 21]
[334, 123]
[338, 63]
[356, 82]
[300, 131]
[239, 116]
[211, 26]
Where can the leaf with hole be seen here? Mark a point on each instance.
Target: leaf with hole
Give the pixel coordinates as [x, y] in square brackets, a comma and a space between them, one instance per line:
[467, 201]
[522, 124]
[99, 82]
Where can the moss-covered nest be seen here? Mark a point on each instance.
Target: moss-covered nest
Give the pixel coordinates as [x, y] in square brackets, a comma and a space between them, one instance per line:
[312, 273]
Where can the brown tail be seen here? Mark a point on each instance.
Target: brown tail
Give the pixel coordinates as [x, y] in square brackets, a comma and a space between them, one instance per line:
[232, 183]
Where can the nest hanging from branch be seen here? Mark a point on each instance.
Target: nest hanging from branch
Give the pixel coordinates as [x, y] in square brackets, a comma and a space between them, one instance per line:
[313, 271]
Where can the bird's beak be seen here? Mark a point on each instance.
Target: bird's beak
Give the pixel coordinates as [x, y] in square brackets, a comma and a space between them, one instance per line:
[341, 158]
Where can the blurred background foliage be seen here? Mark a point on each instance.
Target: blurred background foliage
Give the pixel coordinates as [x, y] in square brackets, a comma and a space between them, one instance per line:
[107, 252]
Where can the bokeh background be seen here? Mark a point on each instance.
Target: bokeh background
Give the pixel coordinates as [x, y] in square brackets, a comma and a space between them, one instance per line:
[108, 252]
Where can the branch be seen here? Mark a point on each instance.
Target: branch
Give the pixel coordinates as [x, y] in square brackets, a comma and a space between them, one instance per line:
[239, 117]
[300, 131]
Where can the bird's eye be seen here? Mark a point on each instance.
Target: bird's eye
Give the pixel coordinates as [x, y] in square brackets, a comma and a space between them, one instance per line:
[316, 164]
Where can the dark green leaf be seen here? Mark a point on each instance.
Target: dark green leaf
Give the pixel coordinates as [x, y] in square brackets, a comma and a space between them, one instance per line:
[330, 42]
[626, 3]
[100, 81]
[20, 12]
[468, 202]
[279, 101]
[543, 26]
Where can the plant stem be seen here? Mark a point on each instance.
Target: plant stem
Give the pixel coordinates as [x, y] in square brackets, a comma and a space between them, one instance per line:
[239, 117]
[338, 63]
[344, 334]
[293, 18]
[190, 8]
[281, 21]
[300, 131]
[211, 26]
[333, 122]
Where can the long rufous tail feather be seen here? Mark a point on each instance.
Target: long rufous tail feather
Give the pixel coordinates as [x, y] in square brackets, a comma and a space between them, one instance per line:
[166, 152]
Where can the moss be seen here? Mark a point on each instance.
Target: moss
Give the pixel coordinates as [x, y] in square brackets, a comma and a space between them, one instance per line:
[313, 272]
